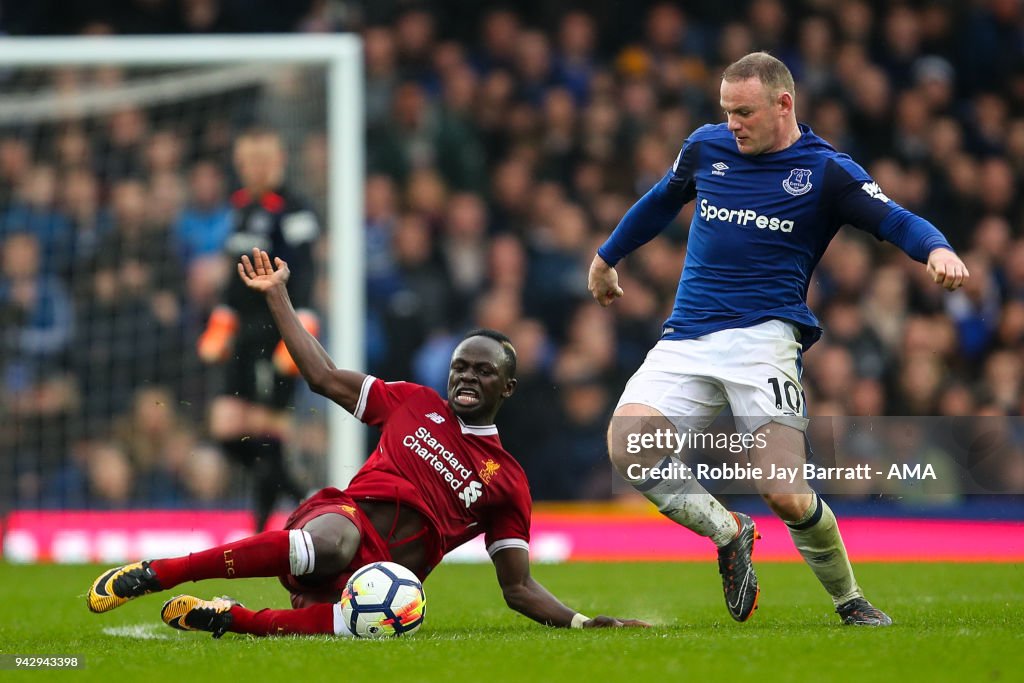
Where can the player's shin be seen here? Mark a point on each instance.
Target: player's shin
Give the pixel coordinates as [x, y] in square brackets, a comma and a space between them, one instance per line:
[317, 619]
[686, 502]
[266, 554]
[817, 538]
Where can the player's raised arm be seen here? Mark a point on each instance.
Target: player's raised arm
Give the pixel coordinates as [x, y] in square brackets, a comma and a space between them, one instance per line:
[523, 594]
[863, 204]
[317, 368]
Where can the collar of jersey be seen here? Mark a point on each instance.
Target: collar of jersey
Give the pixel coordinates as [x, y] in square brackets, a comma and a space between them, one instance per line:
[478, 430]
[806, 135]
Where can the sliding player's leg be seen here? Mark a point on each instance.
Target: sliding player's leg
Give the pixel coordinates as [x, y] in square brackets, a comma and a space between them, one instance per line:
[315, 585]
[322, 538]
[224, 615]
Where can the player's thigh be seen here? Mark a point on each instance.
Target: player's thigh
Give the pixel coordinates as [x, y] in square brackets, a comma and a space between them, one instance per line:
[335, 540]
[761, 371]
[675, 381]
[668, 393]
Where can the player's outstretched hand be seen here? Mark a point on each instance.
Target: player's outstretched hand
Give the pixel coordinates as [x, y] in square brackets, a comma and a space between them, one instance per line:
[603, 282]
[602, 621]
[259, 274]
[947, 269]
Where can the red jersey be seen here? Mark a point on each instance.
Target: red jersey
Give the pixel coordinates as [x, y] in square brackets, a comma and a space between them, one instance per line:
[456, 475]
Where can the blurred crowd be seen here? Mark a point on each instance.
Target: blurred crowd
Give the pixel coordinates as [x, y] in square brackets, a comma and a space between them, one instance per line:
[504, 143]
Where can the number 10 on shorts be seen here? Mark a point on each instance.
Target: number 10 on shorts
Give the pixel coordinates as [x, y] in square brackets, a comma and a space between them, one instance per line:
[789, 391]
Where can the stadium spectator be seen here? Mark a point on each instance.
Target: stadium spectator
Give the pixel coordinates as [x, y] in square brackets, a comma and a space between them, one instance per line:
[158, 443]
[34, 209]
[90, 218]
[421, 135]
[421, 301]
[121, 157]
[200, 231]
[463, 247]
[37, 396]
[575, 60]
[15, 162]
[110, 478]
[37, 310]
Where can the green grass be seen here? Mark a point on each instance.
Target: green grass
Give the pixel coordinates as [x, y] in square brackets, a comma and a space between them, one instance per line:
[954, 622]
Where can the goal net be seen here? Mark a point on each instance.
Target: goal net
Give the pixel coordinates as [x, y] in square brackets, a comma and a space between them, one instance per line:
[115, 177]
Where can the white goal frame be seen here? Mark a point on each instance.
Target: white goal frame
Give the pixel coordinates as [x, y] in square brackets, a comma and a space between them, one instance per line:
[342, 56]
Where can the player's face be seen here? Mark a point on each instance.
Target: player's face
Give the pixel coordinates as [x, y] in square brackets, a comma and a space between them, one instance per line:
[755, 118]
[260, 162]
[478, 381]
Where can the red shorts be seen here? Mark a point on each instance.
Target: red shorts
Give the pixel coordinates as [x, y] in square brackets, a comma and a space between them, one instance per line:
[372, 547]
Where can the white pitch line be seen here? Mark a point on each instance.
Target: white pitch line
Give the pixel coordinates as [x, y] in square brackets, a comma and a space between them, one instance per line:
[138, 631]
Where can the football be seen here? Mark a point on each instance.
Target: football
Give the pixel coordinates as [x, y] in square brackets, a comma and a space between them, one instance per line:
[382, 600]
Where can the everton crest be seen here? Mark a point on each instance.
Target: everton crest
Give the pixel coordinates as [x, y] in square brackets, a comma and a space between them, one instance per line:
[798, 182]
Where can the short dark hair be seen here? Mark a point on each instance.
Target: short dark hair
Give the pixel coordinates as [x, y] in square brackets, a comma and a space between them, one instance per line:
[773, 74]
[259, 131]
[506, 346]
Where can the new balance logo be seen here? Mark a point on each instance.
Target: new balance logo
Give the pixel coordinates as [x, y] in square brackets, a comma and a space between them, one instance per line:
[875, 191]
[471, 493]
[435, 417]
[719, 168]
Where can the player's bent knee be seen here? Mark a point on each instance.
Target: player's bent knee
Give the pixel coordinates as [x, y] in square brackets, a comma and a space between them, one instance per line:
[629, 423]
[789, 506]
[335, 540]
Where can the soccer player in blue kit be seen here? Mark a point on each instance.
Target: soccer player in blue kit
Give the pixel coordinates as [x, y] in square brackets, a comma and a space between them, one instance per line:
[770, 197]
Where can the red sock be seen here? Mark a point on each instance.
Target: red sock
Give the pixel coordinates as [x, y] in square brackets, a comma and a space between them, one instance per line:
[282, 622]
[264, 554]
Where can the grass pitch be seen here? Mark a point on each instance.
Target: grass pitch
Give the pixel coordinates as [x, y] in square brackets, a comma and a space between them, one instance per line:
[954, 622]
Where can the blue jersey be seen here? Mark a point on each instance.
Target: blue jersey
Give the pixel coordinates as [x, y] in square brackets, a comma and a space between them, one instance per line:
[760, 226]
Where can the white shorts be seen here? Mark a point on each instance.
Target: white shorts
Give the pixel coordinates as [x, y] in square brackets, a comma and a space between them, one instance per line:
[754, 370]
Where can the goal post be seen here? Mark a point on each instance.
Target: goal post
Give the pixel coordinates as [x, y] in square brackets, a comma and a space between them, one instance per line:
[341, 57]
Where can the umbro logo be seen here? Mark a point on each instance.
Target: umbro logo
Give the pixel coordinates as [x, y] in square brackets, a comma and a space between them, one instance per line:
[719, 168]
[435, 417]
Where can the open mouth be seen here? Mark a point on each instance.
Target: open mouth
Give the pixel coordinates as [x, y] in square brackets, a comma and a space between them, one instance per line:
[465, 396]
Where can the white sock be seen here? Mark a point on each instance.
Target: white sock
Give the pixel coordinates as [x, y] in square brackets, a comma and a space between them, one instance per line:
[340, 624]
[301, 557]
[686, 502]
[817, 538]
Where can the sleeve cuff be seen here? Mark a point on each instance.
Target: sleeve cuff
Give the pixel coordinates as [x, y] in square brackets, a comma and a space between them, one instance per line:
[498, 546]
[602, 252]
[364, 394]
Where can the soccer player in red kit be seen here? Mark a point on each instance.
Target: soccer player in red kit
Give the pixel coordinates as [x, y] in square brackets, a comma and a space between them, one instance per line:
[438, 477]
